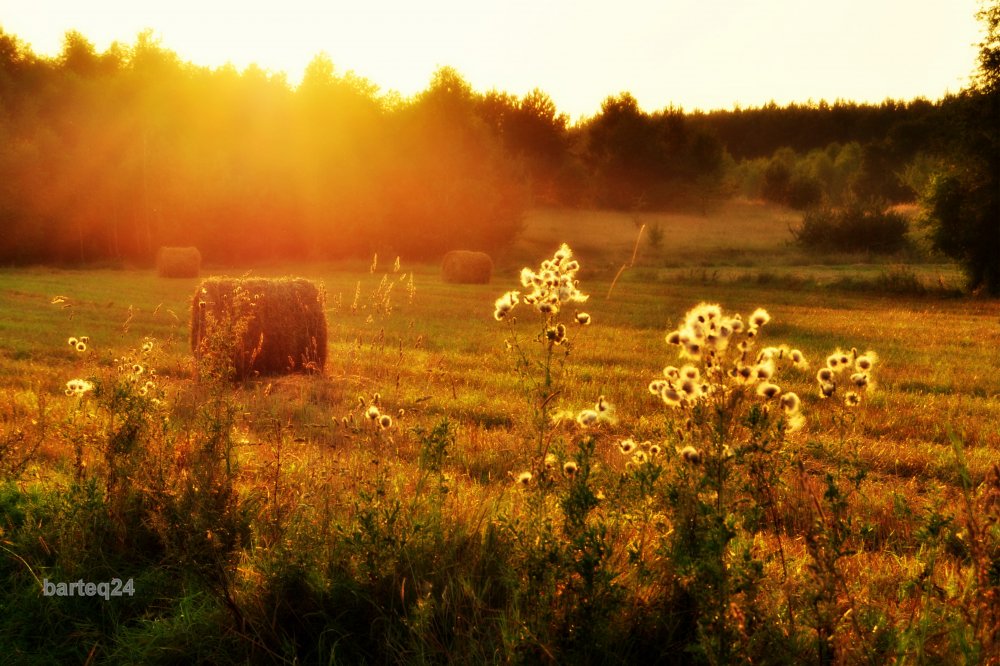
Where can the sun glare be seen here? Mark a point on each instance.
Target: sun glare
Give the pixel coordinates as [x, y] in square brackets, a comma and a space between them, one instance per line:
[679, 52]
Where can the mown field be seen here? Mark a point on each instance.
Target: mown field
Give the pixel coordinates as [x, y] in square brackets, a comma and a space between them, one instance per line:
[270, 521]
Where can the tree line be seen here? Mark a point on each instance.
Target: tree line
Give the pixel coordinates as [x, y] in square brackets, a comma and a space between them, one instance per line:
[105, 156]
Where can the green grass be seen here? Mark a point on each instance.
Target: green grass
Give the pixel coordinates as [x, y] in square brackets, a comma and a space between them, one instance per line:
[339, 542]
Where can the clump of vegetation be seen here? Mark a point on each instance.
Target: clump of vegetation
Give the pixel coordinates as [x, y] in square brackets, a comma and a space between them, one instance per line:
[856, 227]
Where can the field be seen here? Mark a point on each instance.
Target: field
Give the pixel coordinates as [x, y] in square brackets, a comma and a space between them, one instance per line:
[271, 521]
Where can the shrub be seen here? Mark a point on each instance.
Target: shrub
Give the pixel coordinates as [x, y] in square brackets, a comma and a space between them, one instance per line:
[855, 227]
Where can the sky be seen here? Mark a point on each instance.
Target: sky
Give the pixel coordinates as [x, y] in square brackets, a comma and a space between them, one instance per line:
[693, 54]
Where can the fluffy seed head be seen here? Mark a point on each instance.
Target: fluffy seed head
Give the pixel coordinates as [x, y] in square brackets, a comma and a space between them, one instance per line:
[690, 455]
[768, 390]
[852, 399]
[759, 317]
[570, 468]
[790, 402]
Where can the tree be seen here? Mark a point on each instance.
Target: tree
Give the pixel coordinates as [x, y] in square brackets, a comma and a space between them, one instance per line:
[963, 203]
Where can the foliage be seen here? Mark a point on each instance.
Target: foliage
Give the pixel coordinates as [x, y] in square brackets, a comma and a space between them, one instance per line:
[856, 227]
[963, 203]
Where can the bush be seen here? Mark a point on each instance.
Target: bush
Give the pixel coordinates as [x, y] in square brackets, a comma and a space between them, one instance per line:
[856, 227]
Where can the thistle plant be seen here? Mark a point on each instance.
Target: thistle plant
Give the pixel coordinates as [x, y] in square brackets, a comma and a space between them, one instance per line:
[550, 290]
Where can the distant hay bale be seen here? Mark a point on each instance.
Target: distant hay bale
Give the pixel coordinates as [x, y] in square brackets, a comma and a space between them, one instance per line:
[284, 322]
[465, 267]
[178, 262]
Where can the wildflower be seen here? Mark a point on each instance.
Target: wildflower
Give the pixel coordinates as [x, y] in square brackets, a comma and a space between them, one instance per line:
[556, 334]
[768, 390]
[524, 478]
[824, 376]
[81, 346]
[85, 339]
[587, 418]
[626, 446]
[692, 350]
[790, 402]
[852, 399]
[670, 372]
[764, 370]
[865, 361]
[690, 455]
[654, 450]
[602, 406]
[657, 386]
[570, 468]
[671, 396]
[689, 372]
[137, 369]
[372, 413]
[78, 387]
[72, 342]
[583, 318]
[759, 317]
[385, 421]
[147, 347]
[674, 338]
[860, 379]
[798, 359]
[505, 304]
[550, 461]
[528, 277]
[640, 457]
[826, 389]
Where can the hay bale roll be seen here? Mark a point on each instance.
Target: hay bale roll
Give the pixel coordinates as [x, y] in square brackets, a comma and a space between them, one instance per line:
[465, 267]
[283, 323]
[178, 262]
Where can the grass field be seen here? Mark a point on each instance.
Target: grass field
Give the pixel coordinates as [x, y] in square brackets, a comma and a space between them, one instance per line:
[270, 521]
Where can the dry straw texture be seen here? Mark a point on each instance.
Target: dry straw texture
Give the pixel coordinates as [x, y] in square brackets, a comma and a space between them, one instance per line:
[178, 262]
[465, 267]
[285, 323]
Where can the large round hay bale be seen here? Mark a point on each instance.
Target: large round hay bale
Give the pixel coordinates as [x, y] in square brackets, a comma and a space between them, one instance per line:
[283, 323]
[466, 267]
[178, 262]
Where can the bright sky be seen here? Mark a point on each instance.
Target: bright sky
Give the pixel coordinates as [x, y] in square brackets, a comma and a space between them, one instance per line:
[704, 54]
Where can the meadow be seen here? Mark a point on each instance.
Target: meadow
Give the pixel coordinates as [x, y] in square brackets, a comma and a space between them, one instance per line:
[488, 520]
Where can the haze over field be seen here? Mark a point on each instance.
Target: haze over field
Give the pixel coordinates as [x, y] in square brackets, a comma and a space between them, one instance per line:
[687, 53]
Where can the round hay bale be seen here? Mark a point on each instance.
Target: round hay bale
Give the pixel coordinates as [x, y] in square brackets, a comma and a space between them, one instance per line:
[283, 323]
[178, 262]
[466, 267]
